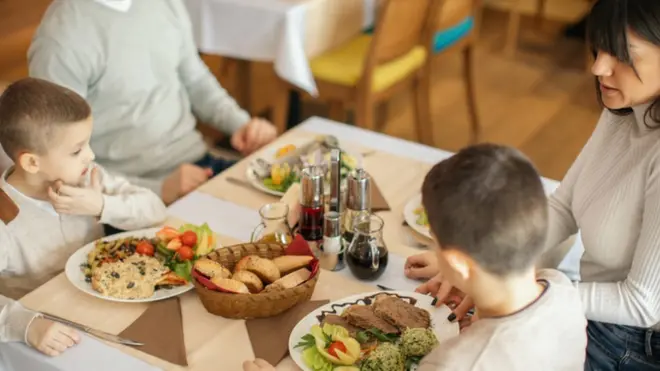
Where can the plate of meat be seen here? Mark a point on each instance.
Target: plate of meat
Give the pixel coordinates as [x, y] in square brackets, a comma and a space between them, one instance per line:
[381, 331]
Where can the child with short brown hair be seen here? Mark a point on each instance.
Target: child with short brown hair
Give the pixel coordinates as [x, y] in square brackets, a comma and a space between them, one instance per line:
[53, 201]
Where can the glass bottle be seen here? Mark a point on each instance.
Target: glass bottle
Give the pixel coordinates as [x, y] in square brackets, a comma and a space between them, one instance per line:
[311, 204]
[274, 226]
[358, 203]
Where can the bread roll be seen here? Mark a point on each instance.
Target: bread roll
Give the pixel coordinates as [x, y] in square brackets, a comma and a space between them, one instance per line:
[250, 280]
[289, 281]
[230, 285]
[289, 263]
[211, 268]
[265, 269]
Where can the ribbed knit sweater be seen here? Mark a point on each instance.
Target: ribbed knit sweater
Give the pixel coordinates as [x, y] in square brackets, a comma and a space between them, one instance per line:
[612, 195]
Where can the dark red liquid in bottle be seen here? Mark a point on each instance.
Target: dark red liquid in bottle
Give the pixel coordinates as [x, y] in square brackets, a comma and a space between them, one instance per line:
[311, 223]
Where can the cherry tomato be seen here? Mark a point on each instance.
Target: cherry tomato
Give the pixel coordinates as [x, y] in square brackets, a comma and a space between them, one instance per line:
[145, 248]
[185, 253]
[189, 238]
[337, 345]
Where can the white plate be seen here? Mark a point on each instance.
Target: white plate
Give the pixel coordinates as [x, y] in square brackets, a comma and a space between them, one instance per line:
[77, 277]
[269, 156]
[444, 330]
[410, 217]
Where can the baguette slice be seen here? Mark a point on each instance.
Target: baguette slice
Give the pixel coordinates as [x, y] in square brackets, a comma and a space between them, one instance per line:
[250, 280]
[289, 263]
[211, 268]
[289, 281]
[230, 285]
[265, 269]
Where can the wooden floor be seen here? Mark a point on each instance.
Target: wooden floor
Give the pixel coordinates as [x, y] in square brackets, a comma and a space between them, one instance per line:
[541, 102]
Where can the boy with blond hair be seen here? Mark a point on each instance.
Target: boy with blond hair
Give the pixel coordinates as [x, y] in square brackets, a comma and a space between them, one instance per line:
[53, 200]
[488, 213]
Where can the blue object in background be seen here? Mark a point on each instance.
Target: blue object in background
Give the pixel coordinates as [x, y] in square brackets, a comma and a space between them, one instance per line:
[447, 37]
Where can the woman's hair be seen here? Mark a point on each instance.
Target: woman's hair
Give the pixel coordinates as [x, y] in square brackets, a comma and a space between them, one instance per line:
[607, 27]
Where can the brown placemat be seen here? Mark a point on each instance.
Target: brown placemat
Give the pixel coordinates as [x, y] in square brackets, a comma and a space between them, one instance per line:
[270, 336]
[160, 328]
[378, 202]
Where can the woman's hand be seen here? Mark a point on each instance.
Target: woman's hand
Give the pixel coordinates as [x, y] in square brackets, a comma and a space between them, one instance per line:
[51, 338]
[257, 365]
[447, 294]
[255, 134]
[422, 266]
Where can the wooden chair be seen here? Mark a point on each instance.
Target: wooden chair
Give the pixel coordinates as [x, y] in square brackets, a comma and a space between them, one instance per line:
[452, 27]
[369, 70]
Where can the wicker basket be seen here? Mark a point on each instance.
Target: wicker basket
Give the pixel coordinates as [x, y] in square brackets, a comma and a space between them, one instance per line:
[246, 306]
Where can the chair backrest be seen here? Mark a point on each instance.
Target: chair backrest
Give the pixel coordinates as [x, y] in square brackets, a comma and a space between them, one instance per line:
[399, 28]
[448, 13]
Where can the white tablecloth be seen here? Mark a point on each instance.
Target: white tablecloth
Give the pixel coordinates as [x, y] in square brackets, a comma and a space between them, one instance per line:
[260, 30]
[237, 221]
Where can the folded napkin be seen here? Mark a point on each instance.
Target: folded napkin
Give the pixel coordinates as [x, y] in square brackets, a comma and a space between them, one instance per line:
[160, 328]
[270, 336]
[378, 202]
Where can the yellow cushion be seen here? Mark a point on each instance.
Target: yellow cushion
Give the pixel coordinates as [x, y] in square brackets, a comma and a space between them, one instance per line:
[345, 64]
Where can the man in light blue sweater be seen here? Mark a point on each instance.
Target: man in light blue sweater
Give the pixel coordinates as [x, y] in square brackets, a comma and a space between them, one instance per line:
[137, 65]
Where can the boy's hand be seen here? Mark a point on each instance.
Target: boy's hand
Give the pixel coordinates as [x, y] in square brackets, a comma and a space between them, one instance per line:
[183, 181]
[446, 294]
[51, 338]
[78, 200]
[253, 135]
[422, 266]
[257, 365]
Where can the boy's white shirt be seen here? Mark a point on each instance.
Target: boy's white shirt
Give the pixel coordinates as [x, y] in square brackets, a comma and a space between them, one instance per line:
[36, 244]
[550, 334]
[120, 5]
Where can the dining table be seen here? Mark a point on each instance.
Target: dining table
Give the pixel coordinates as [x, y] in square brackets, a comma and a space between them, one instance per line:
[229, 205]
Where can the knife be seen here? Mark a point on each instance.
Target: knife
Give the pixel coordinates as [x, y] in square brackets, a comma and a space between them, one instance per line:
[97, 333]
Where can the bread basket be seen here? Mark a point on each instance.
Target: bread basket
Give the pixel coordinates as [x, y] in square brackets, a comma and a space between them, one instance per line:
[260, 305]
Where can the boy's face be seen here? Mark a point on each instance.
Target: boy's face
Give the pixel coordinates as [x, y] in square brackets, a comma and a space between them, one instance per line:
[68, 156]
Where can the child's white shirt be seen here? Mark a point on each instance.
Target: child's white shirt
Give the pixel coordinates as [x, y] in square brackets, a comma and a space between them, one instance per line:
[36, 241]
[550, 334]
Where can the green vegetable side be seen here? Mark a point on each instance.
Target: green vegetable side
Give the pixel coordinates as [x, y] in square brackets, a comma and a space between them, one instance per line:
[331, 348]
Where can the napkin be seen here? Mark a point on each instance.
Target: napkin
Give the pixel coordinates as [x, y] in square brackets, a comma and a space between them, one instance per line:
[160, 328]
[378, 202]
[270, 336]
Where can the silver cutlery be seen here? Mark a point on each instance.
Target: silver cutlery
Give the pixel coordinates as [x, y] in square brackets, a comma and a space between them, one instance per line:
[97, 333]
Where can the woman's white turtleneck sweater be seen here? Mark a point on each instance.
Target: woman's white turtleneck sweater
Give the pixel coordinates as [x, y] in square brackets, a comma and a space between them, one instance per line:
[612, 195]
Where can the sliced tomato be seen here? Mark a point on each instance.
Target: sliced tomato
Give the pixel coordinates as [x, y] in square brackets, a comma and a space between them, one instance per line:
[145, 248]
[185, 253]
[189, 238]
[337, 345]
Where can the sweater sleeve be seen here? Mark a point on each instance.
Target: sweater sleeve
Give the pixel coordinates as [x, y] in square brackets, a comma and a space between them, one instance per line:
[210, 102]
[634, 301]
[129, 207]
[14, 318]
[49, 60]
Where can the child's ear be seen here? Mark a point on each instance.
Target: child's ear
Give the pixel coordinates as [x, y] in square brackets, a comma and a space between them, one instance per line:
[29, 162]
[459, 262]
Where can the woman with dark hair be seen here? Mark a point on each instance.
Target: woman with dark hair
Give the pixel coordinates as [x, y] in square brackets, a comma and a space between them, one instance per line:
[612, 194]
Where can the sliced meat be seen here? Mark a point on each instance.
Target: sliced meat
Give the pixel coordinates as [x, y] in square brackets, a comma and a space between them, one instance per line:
[401, 314]
[363, 316]
[336, 320]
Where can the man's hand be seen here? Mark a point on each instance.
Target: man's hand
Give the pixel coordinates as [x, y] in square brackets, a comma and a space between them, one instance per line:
[51, 338]
[78, 200]
[183, 181]
[257, 365]
[422, 266]
[253, 135]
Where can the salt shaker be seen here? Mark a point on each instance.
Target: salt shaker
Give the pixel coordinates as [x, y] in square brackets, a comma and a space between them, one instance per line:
[332, 247]
[311, 204]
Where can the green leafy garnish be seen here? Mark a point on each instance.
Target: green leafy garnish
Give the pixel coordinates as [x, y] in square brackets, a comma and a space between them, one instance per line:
[381, 336]
[306, 342]
[362, 337]
[182, 269]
